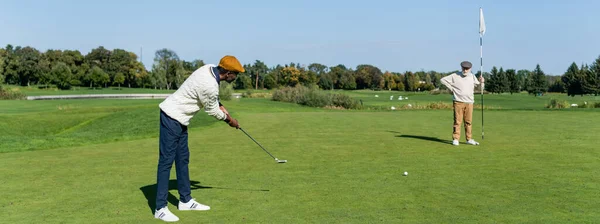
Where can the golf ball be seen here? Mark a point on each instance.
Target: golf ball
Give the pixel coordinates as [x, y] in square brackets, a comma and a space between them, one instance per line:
[405, 173]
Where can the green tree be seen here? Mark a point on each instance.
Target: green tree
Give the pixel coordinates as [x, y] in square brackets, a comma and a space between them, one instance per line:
[141, 74]
[493, 83]
[589, 83]
[557, 86]
[368, 76]
[73, 58]
[325, 81]
[62, 75]
[319, 69]
[168, 67]
[503, 81]
[119, 79]
[347, 81]
[28, 69]
[53, 56]
[399, 80]
[259, 72]
[46, 77]
[308, 78]
[2, 64]
[198, 63]
[154, 80]
[270, 81]
[572, 81]
[98, 76]
[522, 79]
[243, 81]
[76, 62]
[123, 62]
[511, 76]
[428, 79]
[11, 65]
[277, 75]
[99, 57]
[595, 69]
[45, 64]
[411, 81]
[337, 73]
[437, 80]
[363, 78]
[537, 81]
[390, 83]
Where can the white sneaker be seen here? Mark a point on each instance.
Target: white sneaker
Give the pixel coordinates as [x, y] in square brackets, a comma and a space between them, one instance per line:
[193, 205]
[165, 215]
[472, 142]
[454, 142]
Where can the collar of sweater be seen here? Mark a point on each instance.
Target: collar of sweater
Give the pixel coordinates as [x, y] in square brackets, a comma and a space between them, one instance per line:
[216, 74]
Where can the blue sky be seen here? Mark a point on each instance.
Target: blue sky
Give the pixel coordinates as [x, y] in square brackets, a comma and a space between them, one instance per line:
[392, 35]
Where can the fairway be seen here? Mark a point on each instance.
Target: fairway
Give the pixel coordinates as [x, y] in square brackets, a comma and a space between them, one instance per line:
[96, 163]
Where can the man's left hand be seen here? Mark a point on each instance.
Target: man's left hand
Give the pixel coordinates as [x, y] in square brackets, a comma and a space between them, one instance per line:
[481, 79]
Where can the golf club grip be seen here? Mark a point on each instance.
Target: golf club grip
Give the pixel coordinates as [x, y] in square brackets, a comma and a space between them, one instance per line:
[263, 148]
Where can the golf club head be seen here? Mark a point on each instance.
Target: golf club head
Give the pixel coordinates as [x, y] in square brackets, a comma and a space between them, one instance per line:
[280, 160]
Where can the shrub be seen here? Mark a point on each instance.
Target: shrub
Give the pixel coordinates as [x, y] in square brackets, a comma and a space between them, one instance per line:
[439, 105]
[225, 91]
[586, 104]
[427, 106]
[556, 104]
[314, 97]
[344, 101]
[11, 95]
[250, 94]
[426, 87]
[291, 94]
[439, 91]
[317, 99]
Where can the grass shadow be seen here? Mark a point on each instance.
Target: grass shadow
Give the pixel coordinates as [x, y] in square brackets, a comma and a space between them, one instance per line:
[426, 138]
[149, 192]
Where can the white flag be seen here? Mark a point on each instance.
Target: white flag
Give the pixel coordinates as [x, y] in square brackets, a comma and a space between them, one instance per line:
[481, 23]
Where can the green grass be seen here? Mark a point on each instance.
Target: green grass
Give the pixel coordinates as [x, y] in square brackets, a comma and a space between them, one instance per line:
[36, 125]
[99, 164]
[520, 101]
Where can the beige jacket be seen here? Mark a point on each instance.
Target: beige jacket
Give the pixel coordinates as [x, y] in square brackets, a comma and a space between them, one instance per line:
[462, 86]
[199, 90]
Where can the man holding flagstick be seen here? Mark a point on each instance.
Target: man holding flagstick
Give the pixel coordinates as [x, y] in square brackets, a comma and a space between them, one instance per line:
[462, 86]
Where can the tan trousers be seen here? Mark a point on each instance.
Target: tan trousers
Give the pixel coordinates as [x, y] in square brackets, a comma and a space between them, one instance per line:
[462, 111]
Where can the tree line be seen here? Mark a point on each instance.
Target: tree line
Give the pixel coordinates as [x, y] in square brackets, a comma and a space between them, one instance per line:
[576, 80]
[102, 67]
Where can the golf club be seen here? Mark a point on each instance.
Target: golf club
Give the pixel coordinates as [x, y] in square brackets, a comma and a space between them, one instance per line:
[277, 160]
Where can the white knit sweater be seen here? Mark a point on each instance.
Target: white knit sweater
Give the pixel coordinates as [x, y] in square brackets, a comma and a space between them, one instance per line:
[199, 90]
[462, 86]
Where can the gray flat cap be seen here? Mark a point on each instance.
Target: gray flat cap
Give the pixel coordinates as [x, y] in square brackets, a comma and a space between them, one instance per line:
[466, 64]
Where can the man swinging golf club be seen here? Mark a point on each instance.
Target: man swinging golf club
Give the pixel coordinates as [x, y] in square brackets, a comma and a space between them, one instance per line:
[462, 85]
[201, 89]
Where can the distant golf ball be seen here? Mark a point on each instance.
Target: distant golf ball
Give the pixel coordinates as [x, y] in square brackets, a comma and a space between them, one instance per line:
[405, 173]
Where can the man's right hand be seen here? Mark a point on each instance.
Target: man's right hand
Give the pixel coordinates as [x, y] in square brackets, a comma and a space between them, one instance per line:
[232, 122]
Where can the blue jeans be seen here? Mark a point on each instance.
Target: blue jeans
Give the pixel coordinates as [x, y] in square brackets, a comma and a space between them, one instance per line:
[173, 146]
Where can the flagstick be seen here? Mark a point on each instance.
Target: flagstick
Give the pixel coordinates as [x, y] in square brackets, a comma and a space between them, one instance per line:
[481, 75]
[481, 33]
